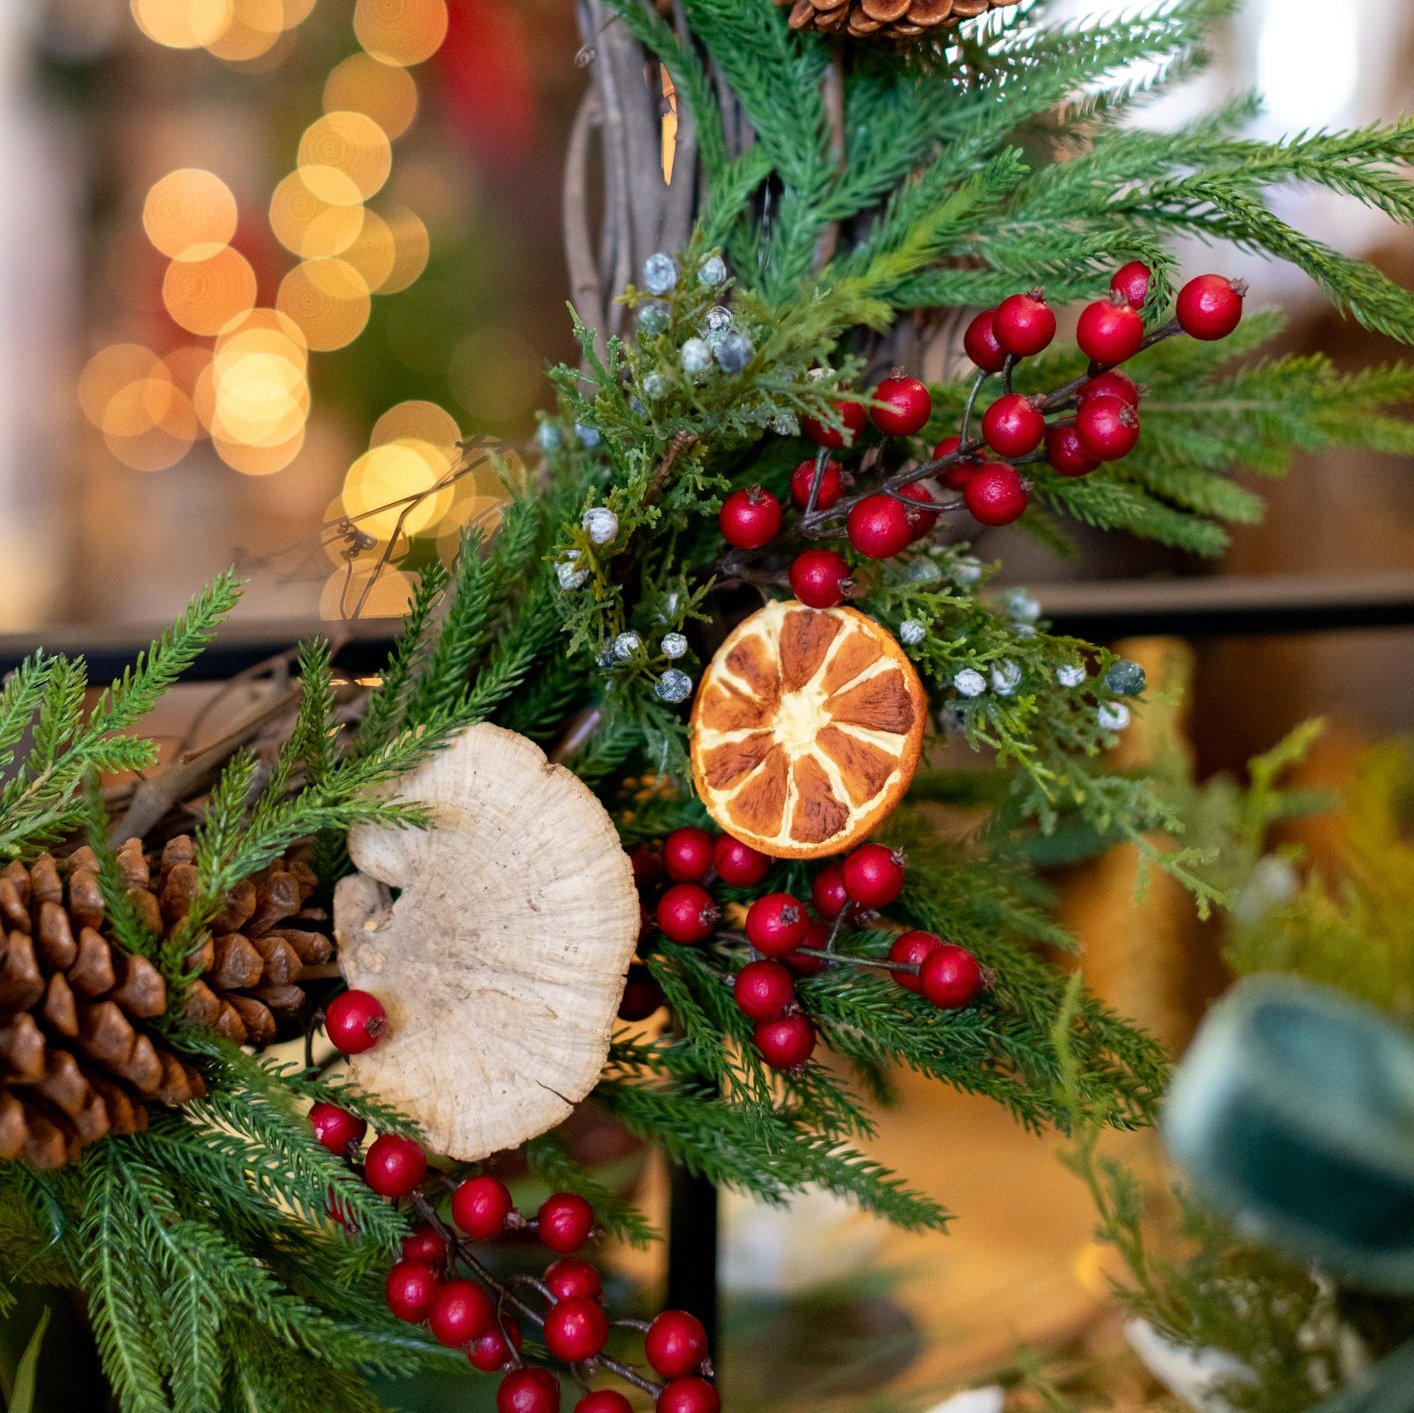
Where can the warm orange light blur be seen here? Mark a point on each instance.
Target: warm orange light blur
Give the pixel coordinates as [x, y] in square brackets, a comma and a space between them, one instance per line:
[496, 374]
[368, 593]
[307, 223]
[350, 143]
[259, 460]
[412, 248]
[423, 421]
[328, 299]
[208, 287]
[188, 207]
[385, 92]
[255, 26]
[374, 254]
[383, 478]
[183, 24]
[401, 31]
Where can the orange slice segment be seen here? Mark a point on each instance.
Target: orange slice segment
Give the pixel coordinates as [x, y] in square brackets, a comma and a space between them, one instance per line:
[806, 730]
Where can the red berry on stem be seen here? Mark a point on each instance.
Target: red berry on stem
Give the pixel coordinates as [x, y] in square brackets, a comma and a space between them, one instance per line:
[1064, 452]
[354, 1021]
[1132, 282]
[996, 495]
[691, 1395]
[687, 914]
[409, 1289]
[1210, 307]
[739, 864]
[827, 891]
[950, 977]
[642, 995]
[880, 526]
[853, 415]
[1024, 324]
[1107, 427]
[426, 1244]
[528, 1390]
[461, 1311]
[907, 406]
[1014, 425]
[819, 578]
[570, 1278]
[575, 1329]
[960, 472]
[1108, 332]
[480, 1206]
[566, 1220]
[394, 1165]
[873, 875]
[921, 492]
[763, 990]
[675, 1343]
[816, 936]
[687, 854]
[603, 1400]
[750, 518]
[1111, 383]
[980, 343]
[647, 863]
[776, 923]
[803, 477]
[490, 1352]
[914, 948]
[785, 1042]
[336, 1128]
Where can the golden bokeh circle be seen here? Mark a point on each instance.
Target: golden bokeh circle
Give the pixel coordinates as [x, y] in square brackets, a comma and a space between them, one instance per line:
[108, 372]
[351, 143]
[297, 12]
[329, 301]
[183, 24]
[401, 31]
[383, 478]
[268, 330]
[254, 28]
[387, 93]
[261, 400]
[208, 287]
[388, 594]
[374, 254]
[412, 246]
[418, 420]
[496, 374]
[259, 460]
[304, 218]
[188, 207]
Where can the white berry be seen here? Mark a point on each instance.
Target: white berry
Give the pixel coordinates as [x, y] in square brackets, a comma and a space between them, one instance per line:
[696, 356]
[712, 271]
[1006, 678]
[966, 570]
[674, 645]
[660, 273]
[627, 645]
[969, 682]
[601, 523]
[911, 632]
[1112, 716]
[673, 687]
[571, 572]
[1070, 676]
[1022, 607]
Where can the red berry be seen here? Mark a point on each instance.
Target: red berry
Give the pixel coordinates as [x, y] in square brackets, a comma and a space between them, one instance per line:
[570, 1278]
[819, 578]
[921, 491]
[738, 864]
[1210, 307]
[1132, 282]
[566, 1220]
[692, 1395]
[687, 854]
[750, 518]
[528, 1390]
[490, 1352]
[960, 472]
[1014, 425]
[687, 914]
[1111, 383]
[1024, 324]
[776, 923]
[996, 494]
[394, 1165]
[950, 977]
[873, 875]
[981, 345]
[425, 1243]
[647, 863]
[853, 415]
[880, 526]
[1064, 452]
[785, 1042]
[575, 1329]
[803, 477]
[1108, 332]
[675, 1343]
[336, 1128]
[603, 1400]
[461, 1311]
[914, 948]
[409, 1289]
[642, 995]
[339, 1212]
[907, 406]
[816, 935]
[480, 1206]
[1107, 427]
[827, 891]
[353, 1021]
[763, 990]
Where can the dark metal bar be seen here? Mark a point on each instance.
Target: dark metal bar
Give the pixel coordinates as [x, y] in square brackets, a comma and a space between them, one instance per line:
[692, 1250]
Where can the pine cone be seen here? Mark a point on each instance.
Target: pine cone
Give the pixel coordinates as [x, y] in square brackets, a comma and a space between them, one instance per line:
[885, 19]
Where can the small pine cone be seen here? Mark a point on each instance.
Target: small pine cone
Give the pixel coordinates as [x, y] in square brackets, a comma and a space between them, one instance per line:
[76, 1060]
[898, 20]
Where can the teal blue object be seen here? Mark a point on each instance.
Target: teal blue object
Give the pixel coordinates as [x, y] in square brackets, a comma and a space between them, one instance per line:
[1293, 1113]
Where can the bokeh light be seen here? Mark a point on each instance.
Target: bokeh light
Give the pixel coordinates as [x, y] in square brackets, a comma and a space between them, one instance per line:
[351, 144]
[183, 24]
[401, 31]
[418, 420]
[411, 245]
[374, 253]
[207, 287]
[496, 374]
[146, 418]
[382, 480]
[308, 223]
[188, 207]
[328, 299]
[385, 92]
[369, 593]
[254, 28]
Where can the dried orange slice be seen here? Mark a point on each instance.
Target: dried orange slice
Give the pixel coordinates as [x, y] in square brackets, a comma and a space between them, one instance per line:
[806, 730]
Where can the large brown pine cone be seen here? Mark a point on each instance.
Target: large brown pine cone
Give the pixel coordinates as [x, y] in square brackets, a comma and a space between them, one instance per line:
[886, 19]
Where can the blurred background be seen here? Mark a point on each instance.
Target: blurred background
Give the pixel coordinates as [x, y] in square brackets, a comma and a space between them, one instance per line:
[265, 262]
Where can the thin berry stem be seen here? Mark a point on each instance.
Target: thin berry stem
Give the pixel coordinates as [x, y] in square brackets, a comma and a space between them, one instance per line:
[883, 963]
[822, 459]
